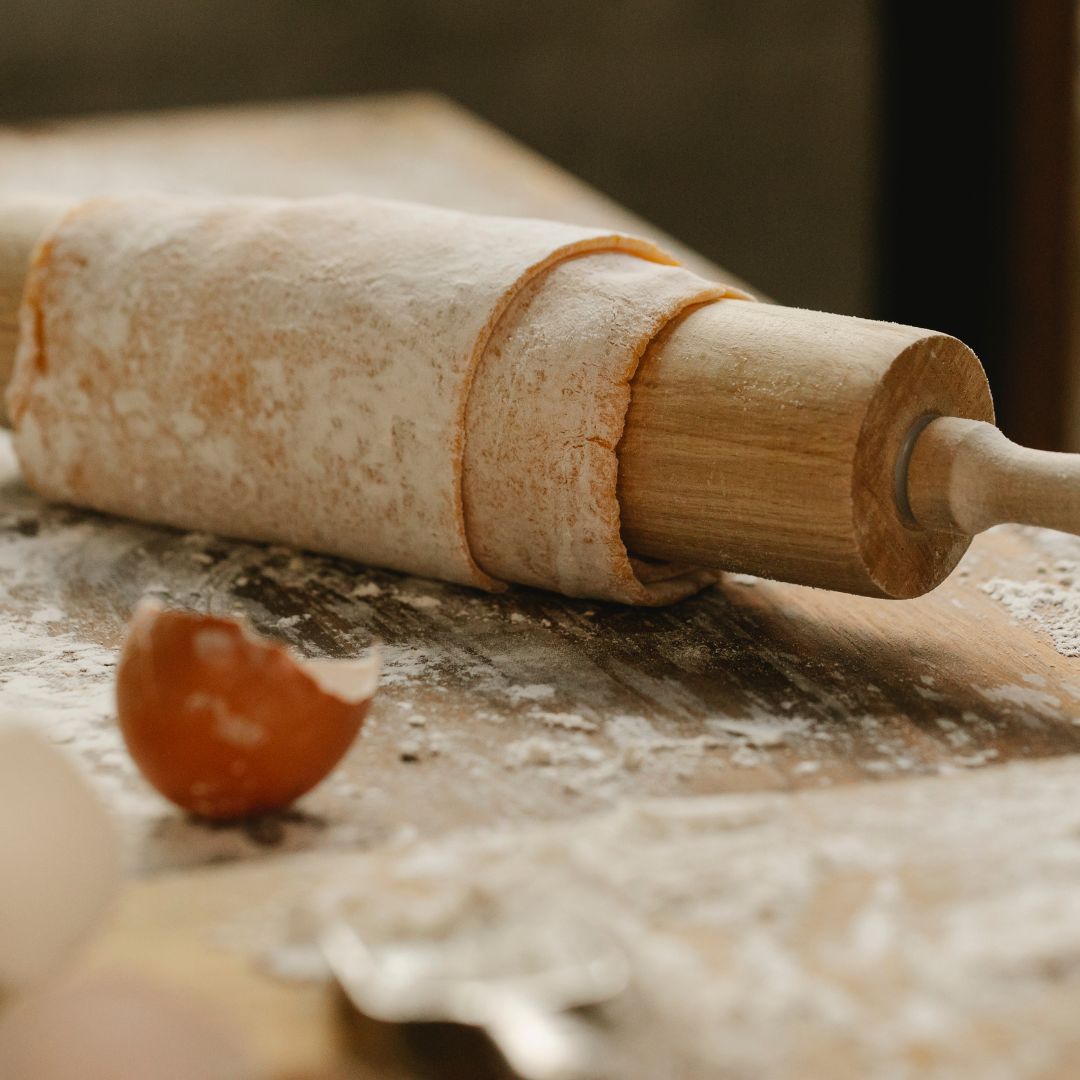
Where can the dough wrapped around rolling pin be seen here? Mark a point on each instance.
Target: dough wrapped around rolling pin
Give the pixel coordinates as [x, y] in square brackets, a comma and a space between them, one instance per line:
[302, 372]
[545, 415]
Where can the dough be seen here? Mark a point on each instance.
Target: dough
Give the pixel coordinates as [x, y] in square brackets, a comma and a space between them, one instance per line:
[545, 416]
[299, 372]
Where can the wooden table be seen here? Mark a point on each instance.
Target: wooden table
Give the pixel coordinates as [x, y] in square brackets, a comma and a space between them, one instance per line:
[510, 710]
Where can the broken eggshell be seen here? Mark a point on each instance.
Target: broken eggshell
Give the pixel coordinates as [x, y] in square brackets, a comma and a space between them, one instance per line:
[227, 724]
[59, 858]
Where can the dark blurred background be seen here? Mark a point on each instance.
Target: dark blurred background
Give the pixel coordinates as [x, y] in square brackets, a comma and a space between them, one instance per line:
[910, 161]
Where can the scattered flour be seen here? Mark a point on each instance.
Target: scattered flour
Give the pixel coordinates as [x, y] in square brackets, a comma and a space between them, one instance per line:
[531, 692]
[419, 601]
[538, 750]
[1050, 600]
[52, 678]
[511, 691]
[763, 731]
[567, 721]
[1026, 697]
[366, 590]
[48, 614]
[826, 934]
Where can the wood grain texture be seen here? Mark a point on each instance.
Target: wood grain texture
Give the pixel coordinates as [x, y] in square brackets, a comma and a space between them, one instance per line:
[760, 438]
[765, 439]
[752, 687]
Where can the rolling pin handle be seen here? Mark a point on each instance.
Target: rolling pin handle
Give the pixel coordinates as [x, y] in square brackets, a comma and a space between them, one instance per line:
[965, 476]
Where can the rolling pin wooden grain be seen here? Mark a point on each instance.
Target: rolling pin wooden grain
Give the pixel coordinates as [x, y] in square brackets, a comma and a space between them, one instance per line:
[821, 449]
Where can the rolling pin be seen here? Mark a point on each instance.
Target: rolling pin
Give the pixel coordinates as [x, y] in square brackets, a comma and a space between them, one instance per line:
[803, 446]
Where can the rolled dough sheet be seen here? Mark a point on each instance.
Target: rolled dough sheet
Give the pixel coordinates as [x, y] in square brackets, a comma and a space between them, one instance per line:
[299, 372]
[545, 416]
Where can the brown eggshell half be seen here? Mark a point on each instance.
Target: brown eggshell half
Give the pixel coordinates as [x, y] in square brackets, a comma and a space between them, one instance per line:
[227, 724]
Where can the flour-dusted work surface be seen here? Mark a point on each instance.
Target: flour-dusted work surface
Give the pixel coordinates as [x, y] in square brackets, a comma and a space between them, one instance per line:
[510, 708]
[876, 755]
[931, 930]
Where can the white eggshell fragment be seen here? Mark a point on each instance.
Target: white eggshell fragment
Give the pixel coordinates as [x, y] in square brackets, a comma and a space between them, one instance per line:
[59, 865]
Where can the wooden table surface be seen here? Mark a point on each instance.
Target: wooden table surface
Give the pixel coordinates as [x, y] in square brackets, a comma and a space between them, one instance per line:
[522, 708]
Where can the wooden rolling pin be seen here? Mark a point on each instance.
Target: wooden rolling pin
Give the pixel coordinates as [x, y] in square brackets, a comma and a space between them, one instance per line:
[815, 448]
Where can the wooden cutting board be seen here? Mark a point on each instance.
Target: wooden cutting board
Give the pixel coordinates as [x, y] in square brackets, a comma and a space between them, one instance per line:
[496, 710]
